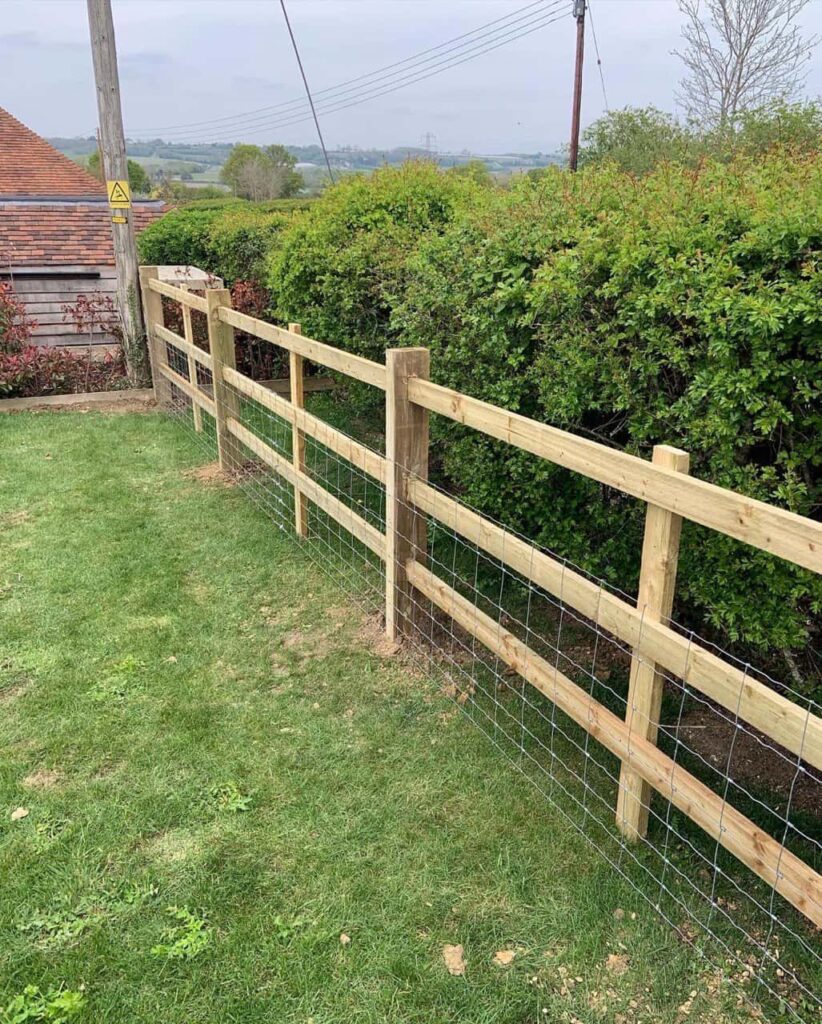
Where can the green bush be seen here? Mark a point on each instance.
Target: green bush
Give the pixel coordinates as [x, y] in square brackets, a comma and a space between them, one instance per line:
[340, 268]
[685, 309]
[228, 237]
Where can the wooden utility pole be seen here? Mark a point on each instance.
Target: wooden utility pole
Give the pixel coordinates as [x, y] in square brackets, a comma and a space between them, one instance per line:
[579, 14]
[114, 170]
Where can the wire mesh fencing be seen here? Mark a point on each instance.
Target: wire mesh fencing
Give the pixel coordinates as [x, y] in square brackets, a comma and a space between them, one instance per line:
[548, 685]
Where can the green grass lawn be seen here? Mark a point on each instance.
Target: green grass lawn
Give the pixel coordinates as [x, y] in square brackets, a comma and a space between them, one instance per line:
[237, 808]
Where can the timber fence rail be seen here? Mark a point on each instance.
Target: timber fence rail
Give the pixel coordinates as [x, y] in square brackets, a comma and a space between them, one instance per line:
[529, 645]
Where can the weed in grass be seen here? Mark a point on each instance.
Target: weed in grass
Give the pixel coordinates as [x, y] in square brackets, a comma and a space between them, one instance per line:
[65, 925]
[186, 940]
[57, 1006]
[229, 799]
[285, 930]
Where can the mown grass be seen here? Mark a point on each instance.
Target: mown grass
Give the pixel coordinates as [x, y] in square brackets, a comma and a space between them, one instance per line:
[194, 718]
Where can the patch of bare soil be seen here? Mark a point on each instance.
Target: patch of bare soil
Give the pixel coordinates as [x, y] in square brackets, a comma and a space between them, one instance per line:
[210, 475]
[753, 763]
[15, 518]
[43, 778]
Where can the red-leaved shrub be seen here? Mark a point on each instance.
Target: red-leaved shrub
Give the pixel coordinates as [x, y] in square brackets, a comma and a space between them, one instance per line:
[28, 371]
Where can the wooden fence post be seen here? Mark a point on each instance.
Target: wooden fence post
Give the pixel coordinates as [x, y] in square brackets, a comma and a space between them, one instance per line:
[296, 374]
[657, 581]
[153, 314]
[221, 346]
[188, 334]
[406, 443]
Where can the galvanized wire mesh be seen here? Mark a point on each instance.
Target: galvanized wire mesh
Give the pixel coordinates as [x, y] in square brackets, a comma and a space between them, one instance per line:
[762, 948]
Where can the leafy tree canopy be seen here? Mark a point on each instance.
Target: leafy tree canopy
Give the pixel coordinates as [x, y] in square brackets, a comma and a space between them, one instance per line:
[257, 173]
[138, 179]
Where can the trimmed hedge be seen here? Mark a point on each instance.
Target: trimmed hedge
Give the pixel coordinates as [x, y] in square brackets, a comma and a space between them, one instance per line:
[228, 237]
[684, 308]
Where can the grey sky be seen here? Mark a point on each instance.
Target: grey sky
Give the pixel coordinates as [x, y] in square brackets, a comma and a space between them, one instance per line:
[184, 61]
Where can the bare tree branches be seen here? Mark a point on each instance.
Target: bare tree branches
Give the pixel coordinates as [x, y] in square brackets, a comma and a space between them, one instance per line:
[740, 54]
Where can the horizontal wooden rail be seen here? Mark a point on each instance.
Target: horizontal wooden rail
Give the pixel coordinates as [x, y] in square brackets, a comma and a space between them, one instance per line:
[764, 526]
[172, 338]
[344, 515]
[326, 355]
[799, 884]
[179, 294]
[282, 385]
[762, 707]
[358, 454]
[193, 392]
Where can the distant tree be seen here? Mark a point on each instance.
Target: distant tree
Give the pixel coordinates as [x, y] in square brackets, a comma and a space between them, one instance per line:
[138, 178]
[637, 139]
[476, 170]
[740, 54]
[177, 193]
[252, 172]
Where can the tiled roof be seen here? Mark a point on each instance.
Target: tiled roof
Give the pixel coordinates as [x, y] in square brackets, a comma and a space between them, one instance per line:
[29, 166]
[46, 234]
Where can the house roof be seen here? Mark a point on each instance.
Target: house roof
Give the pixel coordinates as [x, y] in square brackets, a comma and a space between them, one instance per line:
[30, 167]
[45, 234]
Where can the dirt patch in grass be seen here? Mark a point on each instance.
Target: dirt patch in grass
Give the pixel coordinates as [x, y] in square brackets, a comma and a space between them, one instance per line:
[15, 518]
[172, 846]
[211, 475]
[43, 778]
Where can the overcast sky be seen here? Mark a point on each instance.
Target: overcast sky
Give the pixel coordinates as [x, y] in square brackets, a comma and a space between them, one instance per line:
[187, 61]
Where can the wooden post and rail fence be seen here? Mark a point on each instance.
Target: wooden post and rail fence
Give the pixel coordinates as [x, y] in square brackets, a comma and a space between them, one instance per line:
[664, 484]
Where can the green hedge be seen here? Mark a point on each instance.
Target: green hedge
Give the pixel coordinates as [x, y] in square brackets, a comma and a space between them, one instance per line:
[685, 308]
[229, 237]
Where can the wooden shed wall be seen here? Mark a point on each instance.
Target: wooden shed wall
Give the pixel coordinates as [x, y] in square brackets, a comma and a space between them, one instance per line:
[44, 292]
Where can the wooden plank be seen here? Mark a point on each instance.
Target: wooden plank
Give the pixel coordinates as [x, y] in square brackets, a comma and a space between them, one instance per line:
[296, 374]
[188, 330]
[762, 707]
[194, 393]
[358, 454]
[221, 346]
[153, 318]
[338, 510]
[123, 397]
[282, 385]
[184, 346]
[655, 603]
[782, 533]
[799, 884]
[316, 351]
[406, 449]
[180, 295]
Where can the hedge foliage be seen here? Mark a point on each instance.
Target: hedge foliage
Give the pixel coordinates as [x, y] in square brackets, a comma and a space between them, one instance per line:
[229, 237]
[684, 307]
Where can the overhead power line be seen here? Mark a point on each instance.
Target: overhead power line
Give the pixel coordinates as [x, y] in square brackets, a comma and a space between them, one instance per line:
[350, 81]
[599, 58]
[378, 83]
[307, 90]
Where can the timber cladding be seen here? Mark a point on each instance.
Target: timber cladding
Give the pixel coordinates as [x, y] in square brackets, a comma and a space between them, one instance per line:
[664, 485]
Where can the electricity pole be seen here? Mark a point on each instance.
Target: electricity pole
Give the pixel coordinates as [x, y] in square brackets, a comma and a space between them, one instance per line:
[579, 14]
[114, 169]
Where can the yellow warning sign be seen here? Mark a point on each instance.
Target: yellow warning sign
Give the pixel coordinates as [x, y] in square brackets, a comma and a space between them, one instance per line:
[119, 195]
[119, 219]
